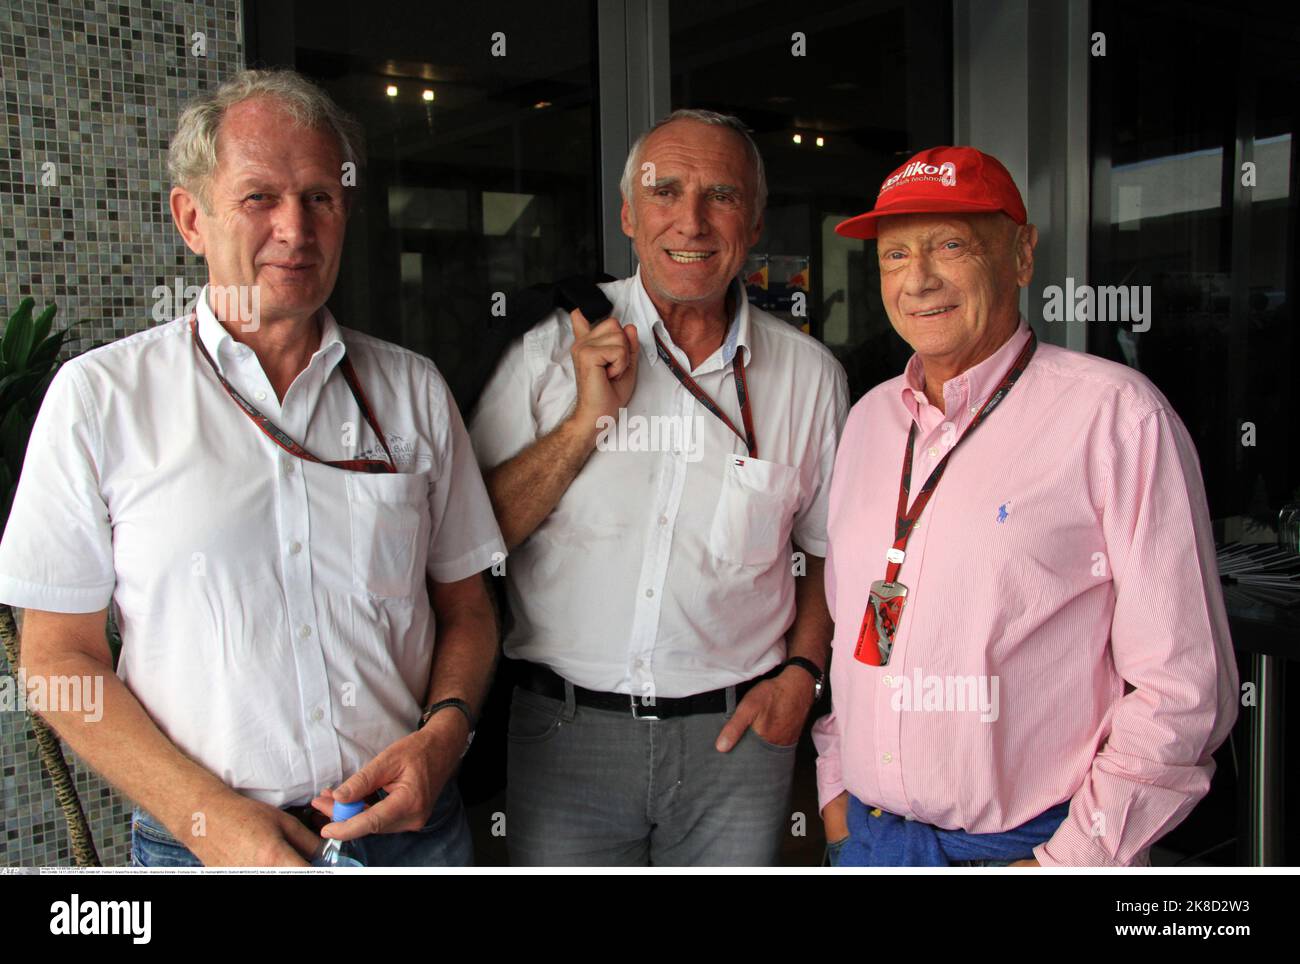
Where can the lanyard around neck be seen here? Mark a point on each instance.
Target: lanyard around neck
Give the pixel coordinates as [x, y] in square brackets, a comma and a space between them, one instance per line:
[742, 395]
[887, 597]
[906, 518]
[281, 438]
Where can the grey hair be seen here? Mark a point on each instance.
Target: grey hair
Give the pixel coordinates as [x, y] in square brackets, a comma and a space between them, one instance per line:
[192, 156]
[713, 118]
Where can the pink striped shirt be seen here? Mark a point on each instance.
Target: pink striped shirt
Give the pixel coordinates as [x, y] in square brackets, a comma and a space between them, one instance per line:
[1066, 552]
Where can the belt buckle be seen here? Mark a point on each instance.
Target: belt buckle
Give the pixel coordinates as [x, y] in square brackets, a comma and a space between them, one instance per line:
[648, 717]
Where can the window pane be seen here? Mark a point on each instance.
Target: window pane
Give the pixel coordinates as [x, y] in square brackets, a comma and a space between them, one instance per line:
[1174, 209]
[838, 96]
[481, 132]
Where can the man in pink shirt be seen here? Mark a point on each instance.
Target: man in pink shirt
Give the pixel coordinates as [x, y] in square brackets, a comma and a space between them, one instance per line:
[1031, 662]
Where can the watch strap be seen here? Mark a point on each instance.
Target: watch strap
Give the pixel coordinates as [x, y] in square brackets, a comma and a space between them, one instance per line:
[442, 705]
[808, 666]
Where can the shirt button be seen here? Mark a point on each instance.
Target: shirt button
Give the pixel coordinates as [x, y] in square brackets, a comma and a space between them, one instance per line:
[649, 594]
[295, 548]
[304, 631]
[934, 452]
[317, 714]
[888, 680]
[663, 520]
[974, 410]
[888, 758]
[288, 466]
[260, 396]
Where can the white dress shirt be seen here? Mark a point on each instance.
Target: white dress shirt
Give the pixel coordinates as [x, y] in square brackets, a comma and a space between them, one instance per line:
[273, 611]
[669, 572]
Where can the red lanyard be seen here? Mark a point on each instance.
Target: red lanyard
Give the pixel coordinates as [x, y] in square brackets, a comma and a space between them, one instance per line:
[887, 597]
[278, 435]
[701, 396]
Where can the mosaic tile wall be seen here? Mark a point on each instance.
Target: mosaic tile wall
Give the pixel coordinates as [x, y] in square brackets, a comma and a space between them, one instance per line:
[91, 92]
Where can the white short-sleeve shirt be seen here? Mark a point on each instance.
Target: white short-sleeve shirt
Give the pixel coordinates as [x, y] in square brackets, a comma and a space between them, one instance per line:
[273, 611]
[666, 569]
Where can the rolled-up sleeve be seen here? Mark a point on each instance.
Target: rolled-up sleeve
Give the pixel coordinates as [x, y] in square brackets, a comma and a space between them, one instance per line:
[57, 551]
[1170, 643]
[826, 738]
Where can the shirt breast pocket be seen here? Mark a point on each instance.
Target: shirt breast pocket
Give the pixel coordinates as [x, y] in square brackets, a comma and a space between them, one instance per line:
[755, 506]
[390, 531]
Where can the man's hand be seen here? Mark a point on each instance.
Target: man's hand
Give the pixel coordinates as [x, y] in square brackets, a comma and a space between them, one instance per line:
[604, 367]
[776, 708]
[835, 818]
[242, 832]
[412, 771]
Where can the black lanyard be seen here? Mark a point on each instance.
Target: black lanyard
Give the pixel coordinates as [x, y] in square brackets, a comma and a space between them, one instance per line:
[701, 396]
[281, 438]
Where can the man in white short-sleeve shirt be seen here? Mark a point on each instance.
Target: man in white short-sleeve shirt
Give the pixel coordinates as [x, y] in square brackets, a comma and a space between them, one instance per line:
[285, 514]
[664, 476]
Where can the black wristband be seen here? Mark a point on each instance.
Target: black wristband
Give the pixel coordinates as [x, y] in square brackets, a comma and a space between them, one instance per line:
[442, 705]
[807, 666]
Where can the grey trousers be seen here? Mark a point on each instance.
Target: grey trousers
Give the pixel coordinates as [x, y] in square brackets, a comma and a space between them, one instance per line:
[590, 787]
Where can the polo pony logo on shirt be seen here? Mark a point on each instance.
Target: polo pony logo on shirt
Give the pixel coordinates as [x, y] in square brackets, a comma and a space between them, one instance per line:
[1004, 512]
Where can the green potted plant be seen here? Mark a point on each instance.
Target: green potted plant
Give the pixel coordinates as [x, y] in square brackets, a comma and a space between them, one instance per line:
[29, 358]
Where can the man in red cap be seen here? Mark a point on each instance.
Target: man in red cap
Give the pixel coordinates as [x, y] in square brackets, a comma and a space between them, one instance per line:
[1031, 662]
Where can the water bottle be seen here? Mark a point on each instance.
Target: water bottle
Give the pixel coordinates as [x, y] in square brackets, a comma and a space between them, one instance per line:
[339, 853]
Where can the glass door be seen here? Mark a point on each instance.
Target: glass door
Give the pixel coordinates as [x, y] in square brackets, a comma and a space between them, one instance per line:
[838, 95]
[482, 136]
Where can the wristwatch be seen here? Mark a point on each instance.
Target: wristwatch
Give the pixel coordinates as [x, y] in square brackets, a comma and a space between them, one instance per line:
[460, 705]
[811, 668]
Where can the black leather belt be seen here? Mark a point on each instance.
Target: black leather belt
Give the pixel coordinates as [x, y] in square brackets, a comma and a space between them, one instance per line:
[544, 681]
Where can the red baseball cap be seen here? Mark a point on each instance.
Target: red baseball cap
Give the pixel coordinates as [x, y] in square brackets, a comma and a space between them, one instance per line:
[942, 180]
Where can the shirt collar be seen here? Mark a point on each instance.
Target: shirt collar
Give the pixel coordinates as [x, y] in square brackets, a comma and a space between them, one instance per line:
[969, 389]
[219, 342]
[645, 316]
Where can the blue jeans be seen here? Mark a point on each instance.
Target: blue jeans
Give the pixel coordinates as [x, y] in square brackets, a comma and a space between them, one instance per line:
[834, 847]
[444, 841]
[592, 787]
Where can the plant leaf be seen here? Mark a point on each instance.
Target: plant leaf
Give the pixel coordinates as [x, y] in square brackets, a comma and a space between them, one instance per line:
[17, 341]
[24, 308]
[16, 321]
[43, 322]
